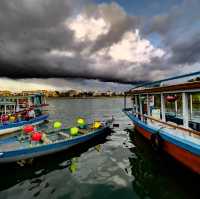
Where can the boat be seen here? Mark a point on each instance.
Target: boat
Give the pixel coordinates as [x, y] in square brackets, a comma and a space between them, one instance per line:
[17, 148]
[15, 112]
[177, 133]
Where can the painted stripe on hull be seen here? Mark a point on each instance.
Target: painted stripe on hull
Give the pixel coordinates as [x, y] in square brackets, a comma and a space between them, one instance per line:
[185, 157]
[188, 159]
[11, 130]
[145, 133]
[17, 127]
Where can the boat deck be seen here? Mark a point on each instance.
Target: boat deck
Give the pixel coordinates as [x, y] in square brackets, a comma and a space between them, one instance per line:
[13, 143]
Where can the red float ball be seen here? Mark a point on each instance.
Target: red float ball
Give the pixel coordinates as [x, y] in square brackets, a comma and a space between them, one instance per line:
[171, 98]
[4, 118]
[28, 129]
[37, 136]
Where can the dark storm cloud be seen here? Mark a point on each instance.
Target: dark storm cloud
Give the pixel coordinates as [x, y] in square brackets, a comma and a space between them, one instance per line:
[31, 29]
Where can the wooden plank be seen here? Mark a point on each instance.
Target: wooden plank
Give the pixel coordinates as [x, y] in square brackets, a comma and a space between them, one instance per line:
[64, 135]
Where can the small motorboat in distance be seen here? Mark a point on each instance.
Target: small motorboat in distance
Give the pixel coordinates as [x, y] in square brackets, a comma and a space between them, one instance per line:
[35, 144]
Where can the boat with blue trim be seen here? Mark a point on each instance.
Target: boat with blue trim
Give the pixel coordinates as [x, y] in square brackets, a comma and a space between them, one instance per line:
[17, 148]
[177, 134]
[17, 111]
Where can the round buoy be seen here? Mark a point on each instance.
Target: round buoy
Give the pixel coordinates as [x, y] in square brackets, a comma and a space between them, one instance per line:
[171, 98]
[57, 125]
[4, 118]
[96, 124]
[28, 129]
[73, 131]
[37, 136]
[81, 123]
[12, 118]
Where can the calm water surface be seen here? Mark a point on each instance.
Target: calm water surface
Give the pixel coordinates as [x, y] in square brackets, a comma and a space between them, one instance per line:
[122, 165]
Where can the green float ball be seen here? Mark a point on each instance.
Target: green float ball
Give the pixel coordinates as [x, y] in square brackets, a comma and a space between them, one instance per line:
[57, 125]
[81, 121]
[73, 131]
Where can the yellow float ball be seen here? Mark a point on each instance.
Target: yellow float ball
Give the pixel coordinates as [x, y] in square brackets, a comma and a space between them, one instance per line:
[57, 125]
[12, 118]
[96, 124]
[73, 131]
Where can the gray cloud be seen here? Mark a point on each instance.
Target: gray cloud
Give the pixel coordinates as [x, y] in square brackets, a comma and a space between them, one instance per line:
[119, 22]
[32, 29]
[180, 32]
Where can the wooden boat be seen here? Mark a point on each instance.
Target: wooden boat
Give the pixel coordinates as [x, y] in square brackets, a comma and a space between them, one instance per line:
[14, 148]
[180, 140]
[15, 112]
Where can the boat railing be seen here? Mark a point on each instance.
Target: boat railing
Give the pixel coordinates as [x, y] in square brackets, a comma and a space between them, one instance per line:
[190, 131]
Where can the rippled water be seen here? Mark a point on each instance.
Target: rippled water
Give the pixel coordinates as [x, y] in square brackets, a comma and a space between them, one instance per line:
[122, 165]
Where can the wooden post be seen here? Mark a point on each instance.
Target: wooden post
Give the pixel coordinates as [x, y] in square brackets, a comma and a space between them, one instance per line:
[191, 106]
[124, 100]
[185, 110]
[162, 107]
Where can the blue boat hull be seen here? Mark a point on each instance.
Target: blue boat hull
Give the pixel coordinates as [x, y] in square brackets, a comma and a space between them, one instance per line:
[37, 151]
[183, 150]
[12, 127]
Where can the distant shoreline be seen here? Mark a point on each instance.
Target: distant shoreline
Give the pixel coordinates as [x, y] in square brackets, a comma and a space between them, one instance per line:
[98, 97]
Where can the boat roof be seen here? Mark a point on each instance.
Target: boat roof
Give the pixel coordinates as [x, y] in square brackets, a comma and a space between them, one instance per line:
[22, 96]
[177, 88]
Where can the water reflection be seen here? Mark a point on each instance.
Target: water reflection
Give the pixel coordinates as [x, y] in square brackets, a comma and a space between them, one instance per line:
[33, 169]
[158, 175]
[122, 165]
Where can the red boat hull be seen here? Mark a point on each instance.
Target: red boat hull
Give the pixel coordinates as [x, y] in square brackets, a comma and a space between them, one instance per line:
[187, 158]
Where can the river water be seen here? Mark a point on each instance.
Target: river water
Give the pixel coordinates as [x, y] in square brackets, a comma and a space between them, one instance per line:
[122, 165]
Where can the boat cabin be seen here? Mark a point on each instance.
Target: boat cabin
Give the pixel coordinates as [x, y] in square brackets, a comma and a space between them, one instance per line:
[173, 105]
[169, 117]
[19, 105]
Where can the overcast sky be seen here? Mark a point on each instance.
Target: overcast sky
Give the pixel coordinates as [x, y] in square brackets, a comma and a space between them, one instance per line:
[99, 44]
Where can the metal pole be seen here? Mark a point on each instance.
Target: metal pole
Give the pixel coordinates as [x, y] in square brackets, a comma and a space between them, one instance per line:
[140, 103]
[148, 107]
[176, 107]
[162, 107]
[185, 110]
[191, 106]
[136, 104]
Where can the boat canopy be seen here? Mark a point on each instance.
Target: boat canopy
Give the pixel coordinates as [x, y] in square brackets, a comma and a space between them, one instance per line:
[177, 88]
